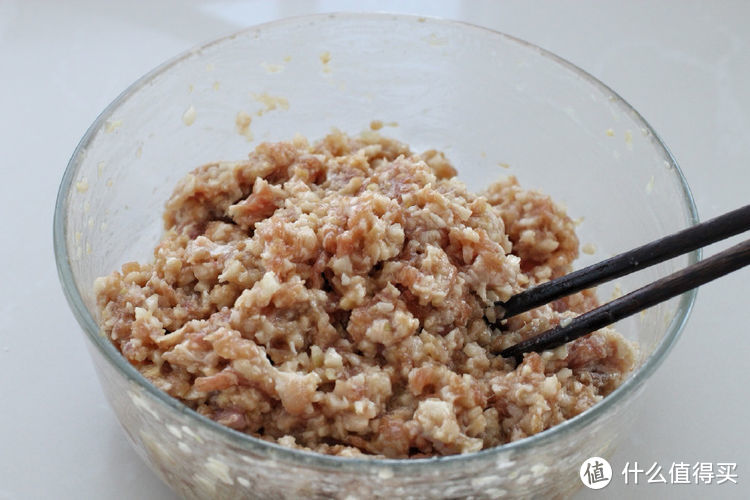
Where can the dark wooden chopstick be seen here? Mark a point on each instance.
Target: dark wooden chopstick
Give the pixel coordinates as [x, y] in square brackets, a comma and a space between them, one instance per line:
[691, 277]
[700, 235]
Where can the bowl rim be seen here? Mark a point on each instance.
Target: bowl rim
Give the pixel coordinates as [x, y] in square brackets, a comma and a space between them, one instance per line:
[398, 467]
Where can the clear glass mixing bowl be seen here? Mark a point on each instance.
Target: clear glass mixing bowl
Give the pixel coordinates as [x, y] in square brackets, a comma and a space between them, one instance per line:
[488, 100]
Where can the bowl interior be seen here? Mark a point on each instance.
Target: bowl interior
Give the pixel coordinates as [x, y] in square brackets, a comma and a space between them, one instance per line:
[495, 105]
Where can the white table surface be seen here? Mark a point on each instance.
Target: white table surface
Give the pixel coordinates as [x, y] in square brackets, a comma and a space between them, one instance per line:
[684, 65]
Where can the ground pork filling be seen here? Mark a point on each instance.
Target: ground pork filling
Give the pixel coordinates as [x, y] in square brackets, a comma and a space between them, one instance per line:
[332, 297]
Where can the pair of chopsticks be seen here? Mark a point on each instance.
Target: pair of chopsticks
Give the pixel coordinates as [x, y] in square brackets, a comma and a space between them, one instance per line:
[695, 237]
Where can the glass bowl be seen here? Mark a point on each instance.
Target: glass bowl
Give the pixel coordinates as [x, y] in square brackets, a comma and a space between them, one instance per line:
[495, 104]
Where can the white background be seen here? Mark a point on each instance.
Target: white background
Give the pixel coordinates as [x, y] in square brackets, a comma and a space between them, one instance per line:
[684, 65]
